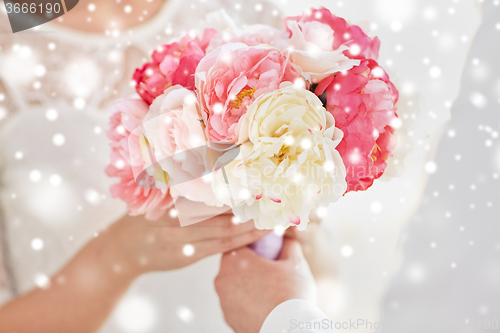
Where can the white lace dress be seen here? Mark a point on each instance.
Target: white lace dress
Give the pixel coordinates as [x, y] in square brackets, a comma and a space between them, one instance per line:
[56, 86]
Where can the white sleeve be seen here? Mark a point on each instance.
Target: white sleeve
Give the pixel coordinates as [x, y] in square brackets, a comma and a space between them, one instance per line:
[297, 316]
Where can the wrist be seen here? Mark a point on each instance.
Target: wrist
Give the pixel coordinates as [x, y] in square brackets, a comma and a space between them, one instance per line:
[96, 270]
[113, 255]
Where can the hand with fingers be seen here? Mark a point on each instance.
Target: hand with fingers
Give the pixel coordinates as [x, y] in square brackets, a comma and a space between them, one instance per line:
[143, 246]
[101, 272]
[250, 287]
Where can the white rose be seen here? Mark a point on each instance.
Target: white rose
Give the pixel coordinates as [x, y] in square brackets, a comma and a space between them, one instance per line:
[288, 166]
[311, 45]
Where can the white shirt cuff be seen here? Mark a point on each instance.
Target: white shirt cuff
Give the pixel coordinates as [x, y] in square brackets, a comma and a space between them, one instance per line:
[297, 316]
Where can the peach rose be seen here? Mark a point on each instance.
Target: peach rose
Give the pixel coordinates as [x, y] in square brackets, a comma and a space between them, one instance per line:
[176, 136]
[231, 77]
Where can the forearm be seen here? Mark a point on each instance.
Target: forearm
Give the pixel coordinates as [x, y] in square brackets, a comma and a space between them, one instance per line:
[80, 297]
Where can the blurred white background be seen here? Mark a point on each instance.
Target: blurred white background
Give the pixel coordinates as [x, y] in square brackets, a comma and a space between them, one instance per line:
[412, 249]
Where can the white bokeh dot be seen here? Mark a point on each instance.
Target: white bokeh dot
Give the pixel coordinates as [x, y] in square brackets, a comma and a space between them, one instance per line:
[377, 72]
[431, 167]
[322, 211]
[51, 114]
[355, 49]
[305, 143]
[92, 196]
[35, 176]
[188, 250]
[135, 314]
[279, 230]
[185, 314]
[25, 51]
[40, 70]
[172, 213]
[58, 139]
[244, 193]
[416, 273]
[346, 251]
[430, 13]
[396, 26]
[55, 180]
[37, 244]
[217, 108]
[79, 103]
[300, 83]
[408, 88]
[376, 207]
[41, 280]
[435, 72]
[478, 99]
[120, 164]
[120, 129]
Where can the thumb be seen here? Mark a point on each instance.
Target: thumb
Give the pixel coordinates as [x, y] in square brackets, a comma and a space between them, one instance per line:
[291, 250]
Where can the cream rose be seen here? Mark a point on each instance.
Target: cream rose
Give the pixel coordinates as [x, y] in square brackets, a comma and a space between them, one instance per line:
[288, 164]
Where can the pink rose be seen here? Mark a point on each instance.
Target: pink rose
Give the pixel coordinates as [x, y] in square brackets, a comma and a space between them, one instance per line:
[126, 154]
[172, 64]
[230, 78]
[362, 102]
[360, 45]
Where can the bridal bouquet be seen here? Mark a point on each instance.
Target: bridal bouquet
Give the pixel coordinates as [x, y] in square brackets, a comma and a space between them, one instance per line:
[272, 123]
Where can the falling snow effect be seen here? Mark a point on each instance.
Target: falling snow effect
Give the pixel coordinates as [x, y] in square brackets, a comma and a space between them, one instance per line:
[455, 278]
[55, 193]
